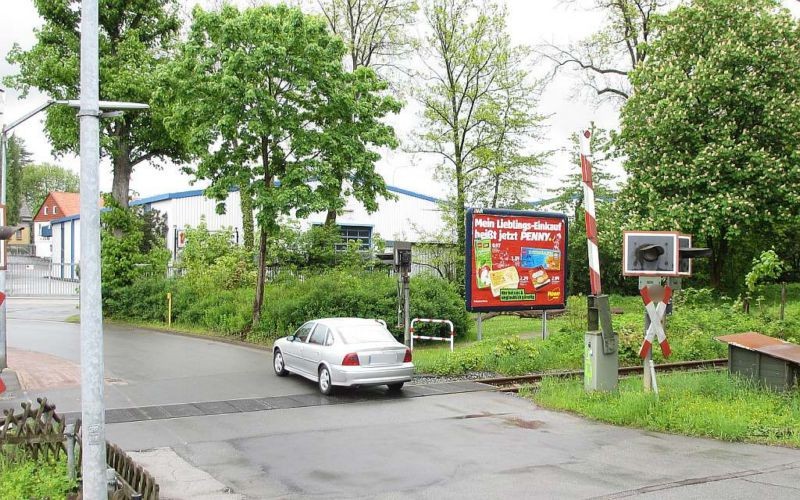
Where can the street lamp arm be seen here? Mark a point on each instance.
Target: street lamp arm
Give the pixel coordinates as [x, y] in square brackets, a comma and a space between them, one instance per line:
[19, 121]
[74, 103]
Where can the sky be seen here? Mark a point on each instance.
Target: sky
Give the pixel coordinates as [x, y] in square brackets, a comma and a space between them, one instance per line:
[530, 22]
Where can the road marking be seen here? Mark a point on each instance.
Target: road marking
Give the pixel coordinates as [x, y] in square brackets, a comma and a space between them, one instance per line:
[205, 408]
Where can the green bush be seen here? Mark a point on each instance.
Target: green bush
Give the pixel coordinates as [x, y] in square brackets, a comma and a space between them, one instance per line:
[143, 300]
[290, 302]
[23, 477]
[132, 248]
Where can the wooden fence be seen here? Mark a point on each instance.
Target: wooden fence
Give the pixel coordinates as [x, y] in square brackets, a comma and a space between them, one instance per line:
[40, 430]
[43, 433]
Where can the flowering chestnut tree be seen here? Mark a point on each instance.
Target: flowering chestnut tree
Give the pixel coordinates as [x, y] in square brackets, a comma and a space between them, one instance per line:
[711, 133]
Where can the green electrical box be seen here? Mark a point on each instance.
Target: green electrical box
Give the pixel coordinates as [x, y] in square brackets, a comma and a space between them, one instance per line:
[600, 348]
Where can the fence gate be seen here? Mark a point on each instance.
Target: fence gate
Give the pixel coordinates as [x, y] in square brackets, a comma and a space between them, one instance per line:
[37, 277]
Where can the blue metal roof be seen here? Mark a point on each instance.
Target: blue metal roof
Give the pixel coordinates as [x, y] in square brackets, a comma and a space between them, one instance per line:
[199, 192]
[65, 219]
[413, 194]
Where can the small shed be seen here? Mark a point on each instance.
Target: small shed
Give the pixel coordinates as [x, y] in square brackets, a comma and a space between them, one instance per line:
[773, 362]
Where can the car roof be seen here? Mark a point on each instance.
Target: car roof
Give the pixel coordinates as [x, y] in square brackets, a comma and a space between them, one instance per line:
[337, 322]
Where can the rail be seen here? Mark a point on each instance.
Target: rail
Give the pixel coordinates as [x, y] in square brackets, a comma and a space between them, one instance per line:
[513, 384]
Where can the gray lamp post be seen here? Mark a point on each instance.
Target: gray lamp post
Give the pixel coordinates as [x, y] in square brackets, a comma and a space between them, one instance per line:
[92, 405]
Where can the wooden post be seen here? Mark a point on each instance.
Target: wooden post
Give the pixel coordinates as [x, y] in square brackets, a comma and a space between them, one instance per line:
[169, 309]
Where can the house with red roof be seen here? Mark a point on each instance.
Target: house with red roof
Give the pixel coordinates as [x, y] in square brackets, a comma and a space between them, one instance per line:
[57, 205]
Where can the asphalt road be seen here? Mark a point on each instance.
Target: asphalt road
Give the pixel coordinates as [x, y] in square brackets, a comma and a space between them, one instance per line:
[466, 445]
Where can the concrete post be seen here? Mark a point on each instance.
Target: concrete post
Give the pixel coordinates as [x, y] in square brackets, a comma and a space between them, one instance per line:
[69, 432]
[406, 309]
[479, 326]
[92, 405]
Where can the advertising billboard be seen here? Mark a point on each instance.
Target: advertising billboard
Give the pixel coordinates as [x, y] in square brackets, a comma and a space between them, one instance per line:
[515, 260]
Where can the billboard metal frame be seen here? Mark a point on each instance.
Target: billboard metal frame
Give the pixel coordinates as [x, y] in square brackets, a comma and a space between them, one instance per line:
[469, 275]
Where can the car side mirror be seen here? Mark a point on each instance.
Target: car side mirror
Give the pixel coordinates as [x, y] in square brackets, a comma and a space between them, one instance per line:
[290, 338]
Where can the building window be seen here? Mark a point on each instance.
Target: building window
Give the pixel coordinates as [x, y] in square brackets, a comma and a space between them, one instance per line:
[55, 209]
[360, 234]
[45, 210]
[18, 234]
[46, 232]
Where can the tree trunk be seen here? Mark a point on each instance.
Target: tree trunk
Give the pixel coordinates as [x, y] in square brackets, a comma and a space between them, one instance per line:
[260, 280]
[719, 248]
[121, 184]
[264, 233]
[246, 205]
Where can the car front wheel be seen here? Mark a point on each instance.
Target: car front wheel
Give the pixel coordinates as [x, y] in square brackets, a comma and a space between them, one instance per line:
[325, 384]
[278, 364]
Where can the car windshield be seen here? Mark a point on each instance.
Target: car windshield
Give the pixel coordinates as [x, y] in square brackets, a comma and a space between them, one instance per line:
[359, 334]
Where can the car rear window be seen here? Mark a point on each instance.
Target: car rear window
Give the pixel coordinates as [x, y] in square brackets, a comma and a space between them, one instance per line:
[358, 334]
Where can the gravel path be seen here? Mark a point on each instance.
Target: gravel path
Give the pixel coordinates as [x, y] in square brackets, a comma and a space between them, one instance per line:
[426, 378]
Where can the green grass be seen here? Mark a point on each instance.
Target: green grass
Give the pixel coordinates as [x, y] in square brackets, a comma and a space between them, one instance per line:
[709, 404]
[23, 477]
[512, 345]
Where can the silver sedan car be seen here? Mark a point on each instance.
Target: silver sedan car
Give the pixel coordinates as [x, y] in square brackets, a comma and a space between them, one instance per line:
[348, 352]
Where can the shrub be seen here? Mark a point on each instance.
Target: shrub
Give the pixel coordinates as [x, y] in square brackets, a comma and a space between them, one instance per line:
[289, 302]
[132, 249]
[144, 300]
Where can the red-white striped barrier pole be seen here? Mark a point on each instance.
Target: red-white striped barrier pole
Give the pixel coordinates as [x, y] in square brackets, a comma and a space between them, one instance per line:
[591, 218]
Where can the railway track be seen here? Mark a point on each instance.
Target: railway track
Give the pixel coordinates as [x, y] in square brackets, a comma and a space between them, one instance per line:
[513, 384]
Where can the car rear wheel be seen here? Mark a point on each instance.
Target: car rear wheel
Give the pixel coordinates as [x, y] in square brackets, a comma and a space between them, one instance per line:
[325, 384]
[278, 364]
[396, 387]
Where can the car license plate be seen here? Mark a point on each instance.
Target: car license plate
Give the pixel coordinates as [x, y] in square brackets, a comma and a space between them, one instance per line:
[383, 358]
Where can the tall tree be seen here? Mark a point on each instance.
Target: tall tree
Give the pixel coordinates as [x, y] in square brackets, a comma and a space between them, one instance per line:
[40, 179]
[376, 35]
[17, 156]
[604, 59]
[135, 38]
[477, 104]
[262, 98]
[711, 133]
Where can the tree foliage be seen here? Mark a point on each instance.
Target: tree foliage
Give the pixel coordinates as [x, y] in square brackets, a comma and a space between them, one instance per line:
[39, 179]
[132, 246]
[478, 107]
[17, 157]
[604, 59]
[135, 38]
[261, 98]
[711, 132]
[376, 34]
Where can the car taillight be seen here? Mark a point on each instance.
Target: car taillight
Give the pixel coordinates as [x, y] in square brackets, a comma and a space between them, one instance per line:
[351, 360]
[407, 359]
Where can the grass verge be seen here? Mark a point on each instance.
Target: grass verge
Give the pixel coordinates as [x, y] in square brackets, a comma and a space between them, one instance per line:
[707, 404]
[23, 477]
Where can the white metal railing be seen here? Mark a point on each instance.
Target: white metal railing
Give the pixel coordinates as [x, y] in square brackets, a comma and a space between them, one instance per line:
[33, 277]
[430, 337]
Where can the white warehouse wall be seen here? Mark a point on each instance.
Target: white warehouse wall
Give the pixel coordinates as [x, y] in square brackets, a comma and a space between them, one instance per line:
[409, 217]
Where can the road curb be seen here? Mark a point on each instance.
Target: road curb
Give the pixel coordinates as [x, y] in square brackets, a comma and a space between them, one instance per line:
[223, 340]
